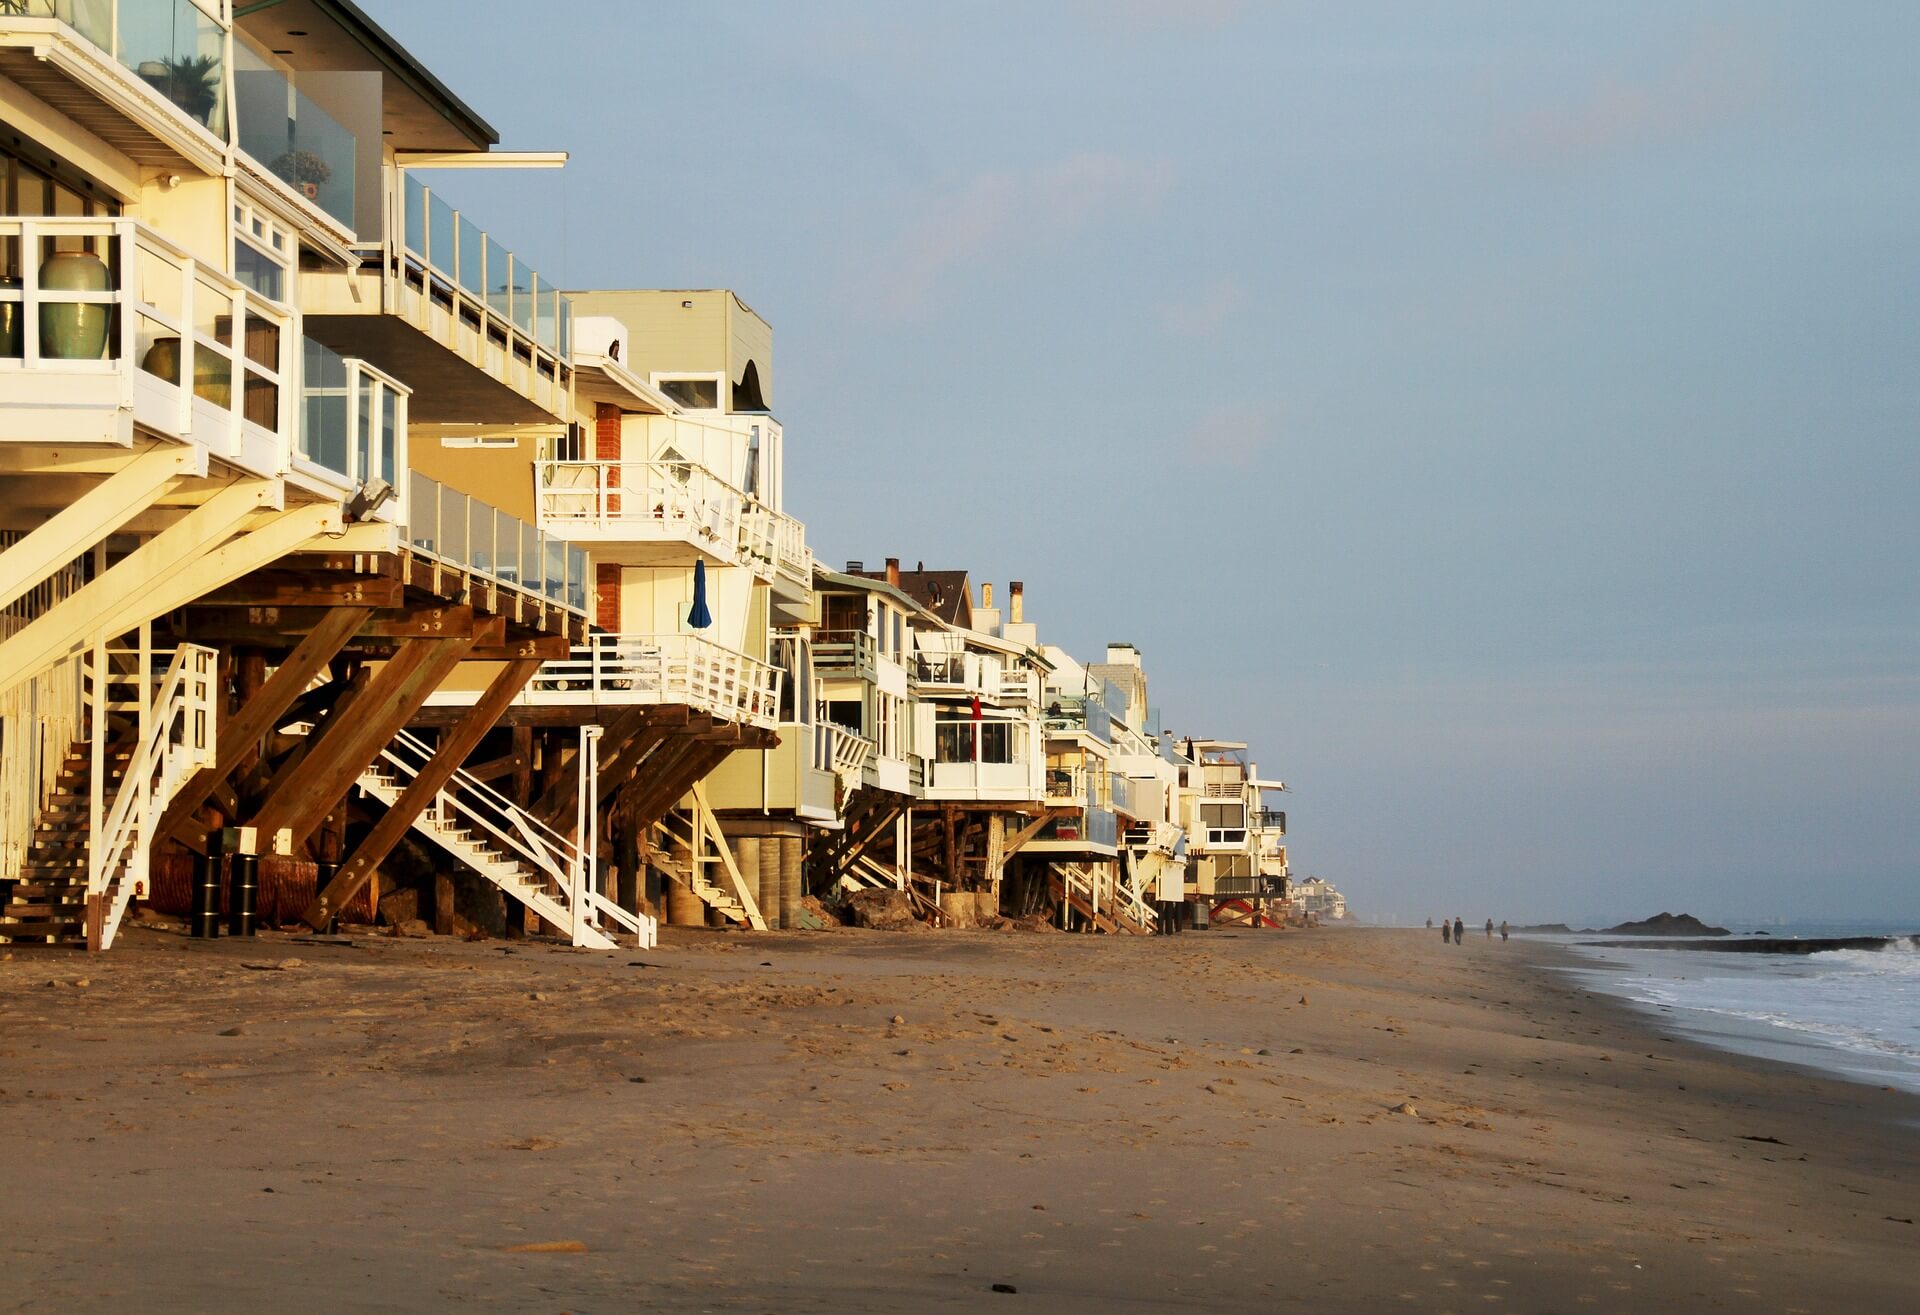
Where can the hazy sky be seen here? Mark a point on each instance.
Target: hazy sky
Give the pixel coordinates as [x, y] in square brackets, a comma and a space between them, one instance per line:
[1503, 415]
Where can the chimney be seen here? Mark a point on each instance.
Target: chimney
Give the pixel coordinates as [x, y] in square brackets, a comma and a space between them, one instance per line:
[986, 594]
[854, 567]
[893, 571]
[1016, 595]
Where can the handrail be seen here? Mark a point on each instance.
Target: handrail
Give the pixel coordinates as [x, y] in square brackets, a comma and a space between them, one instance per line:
[178, 719]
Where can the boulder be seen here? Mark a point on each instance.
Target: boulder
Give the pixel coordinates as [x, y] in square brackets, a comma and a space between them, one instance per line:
[882, 910]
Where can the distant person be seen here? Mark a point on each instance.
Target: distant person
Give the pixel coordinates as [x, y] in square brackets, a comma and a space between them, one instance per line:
[1459, 931]
[1446, 932]
[1503, 929]
[1489, 928]
[1429, 924]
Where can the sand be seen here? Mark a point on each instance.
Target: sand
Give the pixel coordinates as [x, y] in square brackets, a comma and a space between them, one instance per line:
[1331, 1120]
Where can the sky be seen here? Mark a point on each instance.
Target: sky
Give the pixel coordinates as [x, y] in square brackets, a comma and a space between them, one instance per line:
[1501, 415]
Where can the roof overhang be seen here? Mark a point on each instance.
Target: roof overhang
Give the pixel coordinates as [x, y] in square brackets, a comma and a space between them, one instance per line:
[599, 378]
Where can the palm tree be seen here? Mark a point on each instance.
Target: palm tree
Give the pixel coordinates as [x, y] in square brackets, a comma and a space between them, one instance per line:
[191, 82]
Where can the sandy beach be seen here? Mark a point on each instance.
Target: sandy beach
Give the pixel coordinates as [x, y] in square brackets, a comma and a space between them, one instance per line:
[1329, 1120]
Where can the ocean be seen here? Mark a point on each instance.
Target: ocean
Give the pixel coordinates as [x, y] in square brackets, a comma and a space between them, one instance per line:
[1853, 1013]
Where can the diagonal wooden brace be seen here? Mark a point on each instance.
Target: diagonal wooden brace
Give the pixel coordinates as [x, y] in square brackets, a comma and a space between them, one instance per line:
[300, 802]
[240, 733]
[459, 741]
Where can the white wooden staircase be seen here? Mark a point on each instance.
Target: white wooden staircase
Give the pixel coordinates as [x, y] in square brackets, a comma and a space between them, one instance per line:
[528, 860]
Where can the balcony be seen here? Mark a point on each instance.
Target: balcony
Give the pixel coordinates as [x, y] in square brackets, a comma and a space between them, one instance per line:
[844, 653]
[86, 366]
[353, 428]
[480, 335]
[149, 77]
[1092, 829]
[638, 670]
[660, 510]
[1271, 820]
[293, 141]
[477, 539]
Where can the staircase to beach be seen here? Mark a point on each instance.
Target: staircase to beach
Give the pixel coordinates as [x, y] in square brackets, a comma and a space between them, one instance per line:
[526, 859]
[47, 904]
[146, 732]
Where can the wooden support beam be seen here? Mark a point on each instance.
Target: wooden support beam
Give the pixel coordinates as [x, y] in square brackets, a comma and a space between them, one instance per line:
[272, 626]
[397, 689]
[452, 750]
[384, 565]
[74, 620]
[1018, 840]
[280, 588]
[240, 734]
[95, 514]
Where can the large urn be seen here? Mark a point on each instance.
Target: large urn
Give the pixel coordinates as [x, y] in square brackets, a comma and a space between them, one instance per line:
[74, 330]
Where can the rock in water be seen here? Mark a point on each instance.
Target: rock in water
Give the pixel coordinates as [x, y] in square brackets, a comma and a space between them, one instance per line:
[1669, 924]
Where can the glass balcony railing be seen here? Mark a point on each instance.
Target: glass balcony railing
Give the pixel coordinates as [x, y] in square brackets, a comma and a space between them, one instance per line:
[175, 46]
[291, 137]
[353, 419]
[472, 535]
[490, 282]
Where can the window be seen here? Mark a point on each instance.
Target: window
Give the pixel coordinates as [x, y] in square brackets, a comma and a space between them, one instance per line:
[751, 486]
[479, 440]
[696, 393]
[262, 253]
[570, 444]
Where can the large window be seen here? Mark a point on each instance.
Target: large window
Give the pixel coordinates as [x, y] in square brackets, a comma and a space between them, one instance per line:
[33, 183]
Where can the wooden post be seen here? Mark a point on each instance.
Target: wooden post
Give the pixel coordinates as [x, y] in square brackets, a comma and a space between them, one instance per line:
[453, 749]
[442, 904]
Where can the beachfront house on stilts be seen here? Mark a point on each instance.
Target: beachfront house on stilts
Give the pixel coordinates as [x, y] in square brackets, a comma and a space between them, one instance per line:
[1234, 874]
[673, 478]
[228, 304]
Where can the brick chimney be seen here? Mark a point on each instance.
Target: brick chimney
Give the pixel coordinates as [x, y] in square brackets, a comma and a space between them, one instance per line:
[893, 571]
[1016, 597]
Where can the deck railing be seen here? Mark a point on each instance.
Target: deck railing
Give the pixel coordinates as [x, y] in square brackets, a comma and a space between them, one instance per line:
[662, 669]
[464, 532]
[353, 424]
[842, 651]
[176, 47]
[839, 750]
[486, 285]
[681, 501]
[197, 354]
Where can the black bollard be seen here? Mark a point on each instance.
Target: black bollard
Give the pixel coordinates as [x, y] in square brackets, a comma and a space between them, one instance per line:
[324, 873]
[206, 897]
[245, 893]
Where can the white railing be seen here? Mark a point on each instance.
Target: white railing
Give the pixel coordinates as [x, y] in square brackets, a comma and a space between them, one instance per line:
[642, 500]
[676, 501]
[1226, 789]
[178, 722]
[197, 355]
[47, 711]
[839, 750]
[654, 669]
[565, 866]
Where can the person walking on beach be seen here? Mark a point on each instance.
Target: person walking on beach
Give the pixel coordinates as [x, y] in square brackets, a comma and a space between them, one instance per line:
[1446, 932]
[1489, 928]
[1429, 924]
[1459, 931]
[1503, 930]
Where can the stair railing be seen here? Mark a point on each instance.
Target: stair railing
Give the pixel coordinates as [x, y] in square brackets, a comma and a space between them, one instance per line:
[178, 728]
[566, 866]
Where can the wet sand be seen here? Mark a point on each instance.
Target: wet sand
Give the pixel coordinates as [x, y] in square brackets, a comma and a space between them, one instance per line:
[855, 1121]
